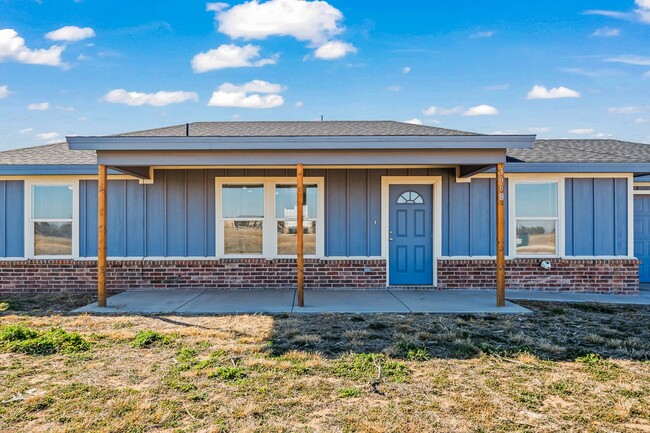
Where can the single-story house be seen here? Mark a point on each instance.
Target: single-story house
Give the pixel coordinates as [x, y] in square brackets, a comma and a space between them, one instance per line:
[214, 205]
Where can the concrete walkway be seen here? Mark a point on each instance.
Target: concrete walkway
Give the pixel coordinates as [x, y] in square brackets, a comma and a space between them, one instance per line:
[316, 301]
[643, 298]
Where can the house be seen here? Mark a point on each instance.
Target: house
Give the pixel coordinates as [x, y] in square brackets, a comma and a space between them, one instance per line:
[214, 205]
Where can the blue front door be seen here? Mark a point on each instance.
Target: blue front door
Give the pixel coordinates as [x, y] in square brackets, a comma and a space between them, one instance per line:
[642, 235]
[410, 235]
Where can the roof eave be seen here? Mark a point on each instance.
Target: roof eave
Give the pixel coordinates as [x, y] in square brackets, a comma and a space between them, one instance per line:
[577, 167]
[302, 142]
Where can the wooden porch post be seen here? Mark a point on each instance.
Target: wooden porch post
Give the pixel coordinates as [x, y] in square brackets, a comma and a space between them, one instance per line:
[101, 236]
[300, 260]
[500, 220]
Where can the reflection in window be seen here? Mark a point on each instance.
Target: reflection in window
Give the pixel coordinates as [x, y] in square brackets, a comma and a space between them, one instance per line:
[537, 218]
[287, 238]
[243, 201]
[242, 237]
[51, 219]
[286, 212]
[243, 211]
[410, 197]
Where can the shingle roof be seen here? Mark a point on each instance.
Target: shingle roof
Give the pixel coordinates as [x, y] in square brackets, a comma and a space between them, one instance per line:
[298, 129]
[49, 154]
[582, 151]
[547, 151]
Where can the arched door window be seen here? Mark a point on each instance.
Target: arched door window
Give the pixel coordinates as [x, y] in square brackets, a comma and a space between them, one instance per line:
[410, 197]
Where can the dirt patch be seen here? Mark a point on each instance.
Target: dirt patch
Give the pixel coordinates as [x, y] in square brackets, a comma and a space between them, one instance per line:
[43, 303]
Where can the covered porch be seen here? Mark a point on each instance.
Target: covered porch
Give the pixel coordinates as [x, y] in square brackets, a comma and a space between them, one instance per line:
[304, 158]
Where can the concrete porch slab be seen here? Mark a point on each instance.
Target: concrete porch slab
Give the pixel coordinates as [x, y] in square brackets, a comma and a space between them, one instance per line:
[351, 301]
[455, 302]
[316, 301]
[146, 301]
[240, 302]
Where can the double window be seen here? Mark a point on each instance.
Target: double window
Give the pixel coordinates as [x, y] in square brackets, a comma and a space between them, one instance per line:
[537, 218]
[258, 217]
[51, 230]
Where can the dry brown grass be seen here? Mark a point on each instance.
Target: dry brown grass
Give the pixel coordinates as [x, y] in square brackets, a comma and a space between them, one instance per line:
[288, 373]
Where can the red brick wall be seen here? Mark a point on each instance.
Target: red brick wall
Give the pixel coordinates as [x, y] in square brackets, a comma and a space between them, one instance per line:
[80, 275]
[611, 276]
[598, 276]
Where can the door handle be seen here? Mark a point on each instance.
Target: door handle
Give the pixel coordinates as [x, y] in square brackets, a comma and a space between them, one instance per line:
[390, 239]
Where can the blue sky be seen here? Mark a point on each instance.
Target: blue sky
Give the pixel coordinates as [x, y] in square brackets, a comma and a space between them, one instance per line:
[577, 69]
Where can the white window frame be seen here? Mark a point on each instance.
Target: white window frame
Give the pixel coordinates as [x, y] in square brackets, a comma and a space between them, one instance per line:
[269, 221]
[512, 216]
[29, 221]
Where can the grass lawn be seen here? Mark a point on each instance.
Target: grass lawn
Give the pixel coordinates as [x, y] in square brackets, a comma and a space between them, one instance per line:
[577, 368]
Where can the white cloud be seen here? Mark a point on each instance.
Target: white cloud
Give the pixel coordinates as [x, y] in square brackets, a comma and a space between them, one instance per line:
[393, 88]
[486, 34]
[216, 7]
[581, 131]
[299, 104]
[315, 22]
[503, 86]
[611, 14]
[406, 70]
[606, 32]
[595, 73]
[39, 106]
[230, 56]
[312, 21]
[541, 92]
[12, 47]
[506, 132]
[641, 121]
[64, 108]
[254, 94]
[4, 92]
[630, 59]
[334, 50]
[50, 137]
[625, 110]
[158, 99]
[434, 111]
[414, 121]
[71, 33]
[539, 130]
[646, 76]
[25, 131]
[481, 110]
[640, 13]
[603, 135]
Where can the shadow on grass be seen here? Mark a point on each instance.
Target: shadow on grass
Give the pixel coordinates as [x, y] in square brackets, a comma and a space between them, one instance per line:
[554, 332]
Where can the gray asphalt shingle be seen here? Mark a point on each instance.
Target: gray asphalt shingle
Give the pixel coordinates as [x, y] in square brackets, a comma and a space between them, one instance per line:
[545, 151]
[581, 151]
[48, 154]
[297, 129]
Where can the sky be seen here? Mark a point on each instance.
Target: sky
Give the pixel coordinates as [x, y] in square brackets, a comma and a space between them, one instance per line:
[558, 69]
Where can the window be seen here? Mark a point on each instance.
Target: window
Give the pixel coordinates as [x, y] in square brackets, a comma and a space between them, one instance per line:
[258, 217]
[536, 218]
[285, 216]
[51, 220]
[243, 218]
[410, 197]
